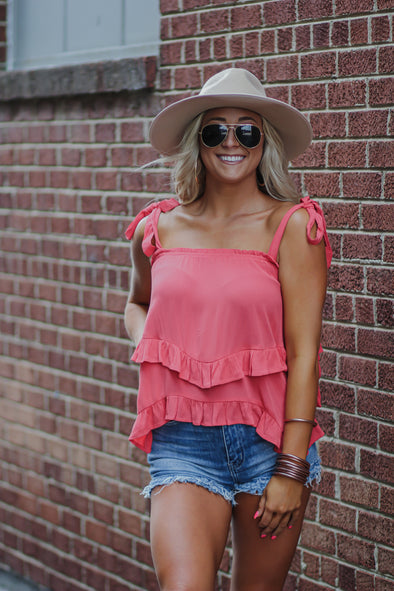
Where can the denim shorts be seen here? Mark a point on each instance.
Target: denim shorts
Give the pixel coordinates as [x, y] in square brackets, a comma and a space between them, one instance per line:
[226, 460]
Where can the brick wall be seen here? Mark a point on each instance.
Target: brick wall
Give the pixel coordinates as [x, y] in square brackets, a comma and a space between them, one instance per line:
[71, 513]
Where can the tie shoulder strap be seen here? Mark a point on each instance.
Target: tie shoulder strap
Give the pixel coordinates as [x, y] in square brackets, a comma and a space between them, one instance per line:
[152, 213]
[316, 219]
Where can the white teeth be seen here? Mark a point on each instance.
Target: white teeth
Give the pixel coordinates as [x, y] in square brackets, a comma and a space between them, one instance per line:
[231, 158]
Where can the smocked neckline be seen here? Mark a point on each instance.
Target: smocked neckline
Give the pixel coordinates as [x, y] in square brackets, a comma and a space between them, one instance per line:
[225, 251]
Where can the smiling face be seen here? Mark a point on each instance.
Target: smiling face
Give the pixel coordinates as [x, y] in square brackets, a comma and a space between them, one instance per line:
[231, 162]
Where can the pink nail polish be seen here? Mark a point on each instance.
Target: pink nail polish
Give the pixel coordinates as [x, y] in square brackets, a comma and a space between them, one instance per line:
[273, 537]
[263, 536]
[289, 526]
[255, 516]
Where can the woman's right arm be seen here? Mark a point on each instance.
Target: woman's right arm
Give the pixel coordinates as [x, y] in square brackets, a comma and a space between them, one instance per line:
[139, 296]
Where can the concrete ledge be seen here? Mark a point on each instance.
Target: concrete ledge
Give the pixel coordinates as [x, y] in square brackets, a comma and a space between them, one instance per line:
[131, 74]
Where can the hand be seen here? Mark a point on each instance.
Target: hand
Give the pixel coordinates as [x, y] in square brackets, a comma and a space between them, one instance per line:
[279, 506]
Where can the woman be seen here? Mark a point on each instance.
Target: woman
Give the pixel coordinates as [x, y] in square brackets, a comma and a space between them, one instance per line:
[225, 308]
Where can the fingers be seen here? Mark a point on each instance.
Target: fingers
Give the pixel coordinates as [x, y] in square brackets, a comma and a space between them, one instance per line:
[273, 524]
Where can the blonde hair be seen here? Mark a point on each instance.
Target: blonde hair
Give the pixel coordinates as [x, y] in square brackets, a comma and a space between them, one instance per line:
[273, 177]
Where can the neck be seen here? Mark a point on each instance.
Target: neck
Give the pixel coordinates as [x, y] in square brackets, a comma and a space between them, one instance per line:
[225, 200]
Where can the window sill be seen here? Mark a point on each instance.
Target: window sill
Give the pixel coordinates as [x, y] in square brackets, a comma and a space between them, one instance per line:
[131, 74]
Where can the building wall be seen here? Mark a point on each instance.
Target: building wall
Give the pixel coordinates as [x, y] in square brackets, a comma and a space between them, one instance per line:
[71, 513]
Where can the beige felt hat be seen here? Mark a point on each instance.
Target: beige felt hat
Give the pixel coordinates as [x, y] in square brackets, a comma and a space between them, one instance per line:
[234, 87]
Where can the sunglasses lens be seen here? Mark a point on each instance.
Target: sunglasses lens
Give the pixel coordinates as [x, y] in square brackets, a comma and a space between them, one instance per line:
[213, 135]
[248, 135]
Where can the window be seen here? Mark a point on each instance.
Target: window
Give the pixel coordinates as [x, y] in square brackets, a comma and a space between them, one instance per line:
[47, 33]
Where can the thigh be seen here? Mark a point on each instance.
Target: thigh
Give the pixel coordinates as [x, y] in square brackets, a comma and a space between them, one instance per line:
[260, 564]
[189, 528]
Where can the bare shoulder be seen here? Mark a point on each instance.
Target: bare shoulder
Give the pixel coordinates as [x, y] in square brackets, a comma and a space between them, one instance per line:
[139, 232]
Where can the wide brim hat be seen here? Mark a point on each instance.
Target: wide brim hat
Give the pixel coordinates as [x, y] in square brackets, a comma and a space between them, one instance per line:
[233, 87]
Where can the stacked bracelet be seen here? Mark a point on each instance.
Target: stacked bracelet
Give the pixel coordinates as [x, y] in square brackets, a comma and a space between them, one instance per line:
[292, 467]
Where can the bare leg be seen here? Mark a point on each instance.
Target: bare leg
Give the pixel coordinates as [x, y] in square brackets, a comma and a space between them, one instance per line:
[261, 564]
[189, 528]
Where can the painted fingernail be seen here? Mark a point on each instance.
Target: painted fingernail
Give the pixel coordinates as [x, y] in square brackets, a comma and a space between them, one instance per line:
[263, 536]
[273, 537]
[255, 516]
[289, 526]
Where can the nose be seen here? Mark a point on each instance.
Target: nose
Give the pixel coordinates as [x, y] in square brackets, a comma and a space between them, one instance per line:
[231, 138]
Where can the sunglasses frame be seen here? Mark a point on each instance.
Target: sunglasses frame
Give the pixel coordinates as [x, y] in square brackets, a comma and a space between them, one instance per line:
[229, 126]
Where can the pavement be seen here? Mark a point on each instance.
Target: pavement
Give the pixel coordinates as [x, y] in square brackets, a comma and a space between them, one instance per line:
[12, 582]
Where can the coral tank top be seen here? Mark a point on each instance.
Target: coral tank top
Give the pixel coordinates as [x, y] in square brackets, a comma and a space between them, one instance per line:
[212, 351]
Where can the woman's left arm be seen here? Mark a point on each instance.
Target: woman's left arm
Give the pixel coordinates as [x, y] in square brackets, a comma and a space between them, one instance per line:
[303, 278]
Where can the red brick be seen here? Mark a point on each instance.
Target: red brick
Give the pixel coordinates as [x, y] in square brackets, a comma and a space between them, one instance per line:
[311, 96]
[348, 7]
[377, 466]
[245, 17]
[369, 123]
[386, 561]
[386, 438]
[267, 41]
[186, 24]
[359, 31]
[385, 376]
[81, 179]
[378, 216]
[358, 430]
[337, 515]
[321, 35]
[347, 94]
[375, 343]
[356, 551]
[169, 6]
[385, 60]
[80, 132]
[106, 181]
[279, 12]
[186, 78]
[375, 527]
[381, 91]
[347, 154]
[132, 132]
[339, 215]
[204, 48]
[359, 492]
[318, 65]
[96, 156]
[337, 455]
[357, 246]
[339, 337]
[105, 132]
[318, 538]
[376, 404]
[219, 48]
[381, 154]
[380, 29]
[340, 33]
[313, 157]
[362, 184]
[170, 53]
[70, 157]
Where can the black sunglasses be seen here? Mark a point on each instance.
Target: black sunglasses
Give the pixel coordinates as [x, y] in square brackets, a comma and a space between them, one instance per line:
[248, 135]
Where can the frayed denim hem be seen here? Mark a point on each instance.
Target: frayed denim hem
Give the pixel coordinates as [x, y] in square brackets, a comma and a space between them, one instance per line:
[314, 473]
[203, 482]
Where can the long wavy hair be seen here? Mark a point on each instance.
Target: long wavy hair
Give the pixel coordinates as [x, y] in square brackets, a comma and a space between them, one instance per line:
[272, 174]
